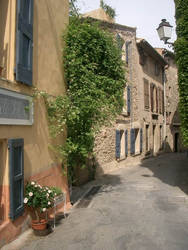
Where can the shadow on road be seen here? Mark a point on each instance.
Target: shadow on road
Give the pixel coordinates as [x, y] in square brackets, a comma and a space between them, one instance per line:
[109, 180]
[171, 169]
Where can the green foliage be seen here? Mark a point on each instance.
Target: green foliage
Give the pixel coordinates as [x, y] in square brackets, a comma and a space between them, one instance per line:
[73, 9]
[95, 79]
[181, 52]
[95, 82]
[108, 9]
[39, 198]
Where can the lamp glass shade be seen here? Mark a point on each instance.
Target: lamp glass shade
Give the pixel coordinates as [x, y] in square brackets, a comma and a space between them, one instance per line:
[164, 30]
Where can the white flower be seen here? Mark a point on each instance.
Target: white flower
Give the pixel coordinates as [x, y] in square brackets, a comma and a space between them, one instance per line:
[49, 191]
[44, 209]
[55, 194]
[47, 195]
[32, 183]
[49, 202]
[25, 200]
[36, 185]
[30, 194]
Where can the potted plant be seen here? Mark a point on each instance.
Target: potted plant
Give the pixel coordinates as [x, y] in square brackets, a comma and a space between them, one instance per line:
[39, 199]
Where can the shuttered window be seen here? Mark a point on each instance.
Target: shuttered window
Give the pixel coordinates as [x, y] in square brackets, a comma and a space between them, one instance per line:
[118, 144]
[126, 143]
[16, 177]
[128, 100]
[146, 94]
[127, 52]
[141, 140]
[151, 96]
[132, 140]
[120, 42]
[24, 41]
[157, 101]
[162, 96]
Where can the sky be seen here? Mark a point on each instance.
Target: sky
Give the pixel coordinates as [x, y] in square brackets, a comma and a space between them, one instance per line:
[145, 15]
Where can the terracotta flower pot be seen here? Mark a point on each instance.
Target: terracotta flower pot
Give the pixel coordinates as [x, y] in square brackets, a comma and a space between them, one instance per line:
[39, 225]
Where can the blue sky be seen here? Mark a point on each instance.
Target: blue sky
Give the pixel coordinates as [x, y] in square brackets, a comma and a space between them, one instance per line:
[143, 14]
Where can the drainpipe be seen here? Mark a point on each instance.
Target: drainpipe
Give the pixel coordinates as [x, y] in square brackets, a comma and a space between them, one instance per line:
[130, 77]
[164, 84]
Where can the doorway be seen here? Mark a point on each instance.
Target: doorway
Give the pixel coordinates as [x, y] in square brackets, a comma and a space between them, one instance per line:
[154, 146]
[176, 141]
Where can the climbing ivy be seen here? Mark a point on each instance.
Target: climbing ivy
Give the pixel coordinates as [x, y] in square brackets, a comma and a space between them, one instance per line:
[181, 52]
[95, 80]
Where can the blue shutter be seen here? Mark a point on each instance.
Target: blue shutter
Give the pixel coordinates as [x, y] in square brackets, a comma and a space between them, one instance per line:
[132, 138]
[141, 140]
[126, 142]
[118, 145]
[128, 100]
[24, 41]
[127, 52]
[119, 41]
[16, 177]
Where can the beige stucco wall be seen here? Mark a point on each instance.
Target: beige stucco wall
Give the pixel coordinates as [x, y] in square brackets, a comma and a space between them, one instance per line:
[50, 20]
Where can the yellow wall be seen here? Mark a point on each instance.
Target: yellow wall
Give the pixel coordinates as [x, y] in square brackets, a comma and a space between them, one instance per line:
[50, 20]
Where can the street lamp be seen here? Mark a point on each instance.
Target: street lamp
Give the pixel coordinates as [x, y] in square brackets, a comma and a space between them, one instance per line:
[165, 31]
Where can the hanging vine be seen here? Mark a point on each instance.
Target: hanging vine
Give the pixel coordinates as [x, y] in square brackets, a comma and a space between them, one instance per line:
[95, 81]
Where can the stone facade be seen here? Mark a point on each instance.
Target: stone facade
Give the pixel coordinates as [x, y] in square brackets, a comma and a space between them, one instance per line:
[142, 130]
[173, 140]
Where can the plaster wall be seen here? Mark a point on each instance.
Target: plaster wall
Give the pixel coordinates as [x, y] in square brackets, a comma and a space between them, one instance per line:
[48, 75]
[50, 21]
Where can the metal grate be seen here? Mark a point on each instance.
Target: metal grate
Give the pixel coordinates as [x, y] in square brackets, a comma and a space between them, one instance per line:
[85, 201]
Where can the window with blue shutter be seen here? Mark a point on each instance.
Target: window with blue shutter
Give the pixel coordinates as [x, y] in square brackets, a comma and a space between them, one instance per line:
[24, 41]
[16, 177]
[132, 139]
[118, 144]
[128, 100]
[127, 52]
[126, 143]
[141, 140]
[120, 42]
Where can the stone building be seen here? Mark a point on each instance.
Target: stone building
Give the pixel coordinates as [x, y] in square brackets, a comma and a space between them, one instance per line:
[30, 56]
[141, 129]
[173, 136]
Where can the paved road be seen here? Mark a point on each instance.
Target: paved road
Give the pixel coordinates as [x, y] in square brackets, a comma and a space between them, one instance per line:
[139, 208]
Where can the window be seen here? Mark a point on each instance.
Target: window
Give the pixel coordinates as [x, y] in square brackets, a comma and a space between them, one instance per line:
[161, 137]
[146, 94]
[121, 144]
[119, 41]
[147, 138]
[16, 177]
[24, 41]
[128, 100]
[136, 140]
[151, 96]
[142, 56]
[157, 69]
[162, 96]
[127, 47]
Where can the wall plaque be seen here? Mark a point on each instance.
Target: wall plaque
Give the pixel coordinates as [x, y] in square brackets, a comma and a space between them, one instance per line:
[15, 108]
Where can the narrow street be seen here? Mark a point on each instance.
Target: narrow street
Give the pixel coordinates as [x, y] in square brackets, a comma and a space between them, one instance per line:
[136, 208]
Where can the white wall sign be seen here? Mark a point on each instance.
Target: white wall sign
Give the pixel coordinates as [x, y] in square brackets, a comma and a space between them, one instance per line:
[15, 108]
